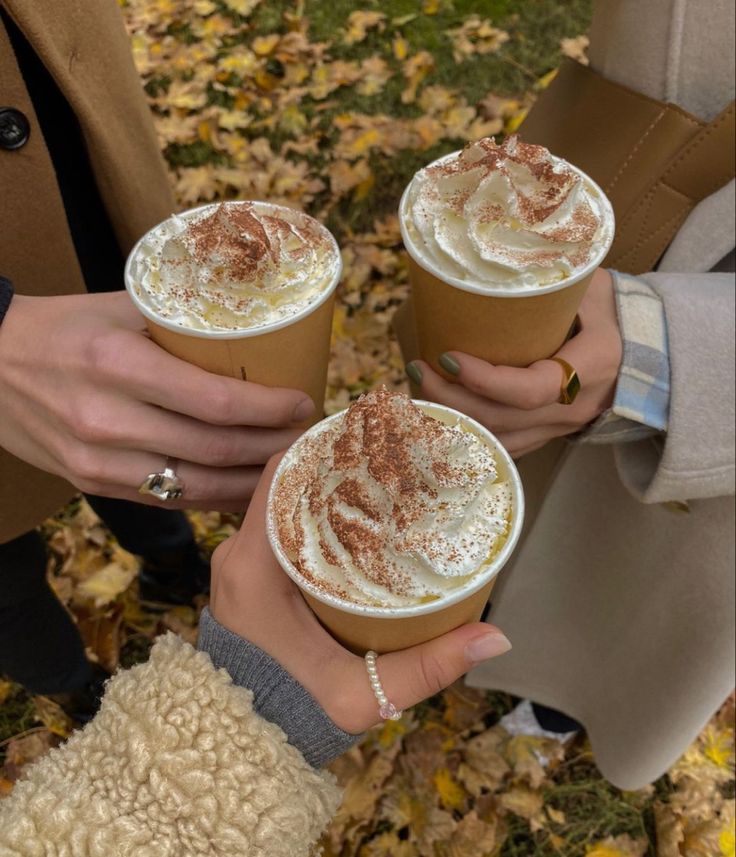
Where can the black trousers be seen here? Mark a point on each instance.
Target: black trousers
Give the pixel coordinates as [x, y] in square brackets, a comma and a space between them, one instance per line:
[40, 646]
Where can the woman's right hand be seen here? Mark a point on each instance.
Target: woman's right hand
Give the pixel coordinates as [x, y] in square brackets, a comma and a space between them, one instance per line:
[87, 395]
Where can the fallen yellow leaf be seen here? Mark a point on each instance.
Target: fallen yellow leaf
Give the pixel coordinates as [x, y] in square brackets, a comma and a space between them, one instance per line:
[452, 794]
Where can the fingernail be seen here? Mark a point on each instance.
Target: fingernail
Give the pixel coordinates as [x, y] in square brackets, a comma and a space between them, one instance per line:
[303, 410]
[449, 364]
[486, 646]
[414, 372]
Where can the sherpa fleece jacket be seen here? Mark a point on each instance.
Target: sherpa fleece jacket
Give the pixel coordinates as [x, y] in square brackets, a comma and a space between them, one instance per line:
[176, 764]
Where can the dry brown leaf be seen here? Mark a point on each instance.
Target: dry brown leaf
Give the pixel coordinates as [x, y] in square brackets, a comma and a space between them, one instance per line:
[365, 789]
[376, 72]
[475, 36]
[388, 845]
[53, 716]
[473, 836]
[415, 69]
[576, 48]
[358, 24]
[196, 184]
[669, 831]
[523, 802]
[6, 689]
[104, 585]
[24, 749]
[344, 176]
[182, 621]
[242, 7]
[525, 754]
[101, 634]
[464, 705]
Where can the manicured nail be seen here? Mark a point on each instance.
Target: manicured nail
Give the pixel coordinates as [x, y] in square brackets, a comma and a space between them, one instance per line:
[449, 364]
[414, 372]
[303, 410]
[486, 646]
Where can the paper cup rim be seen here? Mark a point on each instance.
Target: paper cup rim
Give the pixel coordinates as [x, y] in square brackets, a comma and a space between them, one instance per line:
[474, 286]
[233, 333]
[468, 589]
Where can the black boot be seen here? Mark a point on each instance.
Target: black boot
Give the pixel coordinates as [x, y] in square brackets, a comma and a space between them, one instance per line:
[83, 703]
[174, 577]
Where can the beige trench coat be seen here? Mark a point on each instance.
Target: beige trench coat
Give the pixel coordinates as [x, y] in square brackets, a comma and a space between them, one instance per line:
[619, 604]
[90, 60]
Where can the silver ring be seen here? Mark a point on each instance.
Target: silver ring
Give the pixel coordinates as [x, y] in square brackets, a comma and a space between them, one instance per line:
[165, 485]
[386, 709]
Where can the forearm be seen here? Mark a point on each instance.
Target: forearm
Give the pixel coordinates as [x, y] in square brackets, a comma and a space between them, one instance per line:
[175, 762]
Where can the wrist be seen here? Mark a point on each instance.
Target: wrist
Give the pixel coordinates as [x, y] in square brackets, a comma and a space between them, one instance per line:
[277, 696]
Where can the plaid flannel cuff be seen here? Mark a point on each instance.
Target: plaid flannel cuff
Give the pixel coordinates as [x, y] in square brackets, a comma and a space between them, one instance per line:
[641, 404]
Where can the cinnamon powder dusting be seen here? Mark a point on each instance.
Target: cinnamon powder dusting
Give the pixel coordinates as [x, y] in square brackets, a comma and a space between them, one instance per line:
[347, 501]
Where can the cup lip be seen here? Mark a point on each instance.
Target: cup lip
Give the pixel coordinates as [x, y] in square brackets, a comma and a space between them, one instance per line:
[479, 288]
[234, 333]
[472, 586]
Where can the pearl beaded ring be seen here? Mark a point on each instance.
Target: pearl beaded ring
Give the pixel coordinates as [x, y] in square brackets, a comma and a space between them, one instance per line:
[387, 710]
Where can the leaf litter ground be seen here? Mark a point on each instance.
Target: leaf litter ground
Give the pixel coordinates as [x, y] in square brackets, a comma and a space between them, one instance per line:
[331, 107]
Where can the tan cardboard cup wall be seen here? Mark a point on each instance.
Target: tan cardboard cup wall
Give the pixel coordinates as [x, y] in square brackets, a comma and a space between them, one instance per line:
[292, 352]
[512, 327]
[388, 629]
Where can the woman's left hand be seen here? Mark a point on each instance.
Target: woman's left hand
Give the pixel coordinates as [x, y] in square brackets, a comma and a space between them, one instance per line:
[254, 598]
[521, 406]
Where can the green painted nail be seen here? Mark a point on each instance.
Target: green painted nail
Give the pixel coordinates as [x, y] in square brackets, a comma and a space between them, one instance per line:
[449, 364]
[414, 372]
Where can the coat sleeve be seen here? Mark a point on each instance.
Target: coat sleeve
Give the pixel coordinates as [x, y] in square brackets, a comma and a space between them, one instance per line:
[176, 763]
[695, 459]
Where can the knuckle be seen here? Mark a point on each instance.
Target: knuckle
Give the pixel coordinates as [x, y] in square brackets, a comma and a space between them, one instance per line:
[475, 385]
[89, 424]
[92, 486]
[82, 464]
[219, 404]
[106, 351]
[432, 674]
[220, 451]
[530, 400]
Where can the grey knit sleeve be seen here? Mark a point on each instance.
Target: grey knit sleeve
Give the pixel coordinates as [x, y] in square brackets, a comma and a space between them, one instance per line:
[277, 696]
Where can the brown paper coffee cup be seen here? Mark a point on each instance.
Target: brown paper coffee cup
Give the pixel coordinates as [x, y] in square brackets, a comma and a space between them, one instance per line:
[387, 629]
[502, 326]
[363, 633]
[293, 352]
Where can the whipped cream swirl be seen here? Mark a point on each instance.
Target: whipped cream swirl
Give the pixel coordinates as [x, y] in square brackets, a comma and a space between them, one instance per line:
[506, 216]
[388, 506]
[235, 265]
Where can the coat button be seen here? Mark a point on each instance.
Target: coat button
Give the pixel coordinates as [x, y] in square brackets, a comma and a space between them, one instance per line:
[14, 128]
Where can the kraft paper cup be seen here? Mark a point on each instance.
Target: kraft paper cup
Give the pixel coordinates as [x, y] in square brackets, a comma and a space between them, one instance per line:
[511, 327]
[387, 629]
[291, 352]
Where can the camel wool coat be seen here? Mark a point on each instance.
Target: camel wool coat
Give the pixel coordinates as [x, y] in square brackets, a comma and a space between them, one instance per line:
[88, 55]
[620, 600]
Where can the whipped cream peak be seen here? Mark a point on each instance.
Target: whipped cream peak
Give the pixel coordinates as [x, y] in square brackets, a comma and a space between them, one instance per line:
[387, 506]
[233, 265]
[507, 216]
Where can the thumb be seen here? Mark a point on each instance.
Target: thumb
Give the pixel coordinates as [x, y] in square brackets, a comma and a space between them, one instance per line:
[414, 674]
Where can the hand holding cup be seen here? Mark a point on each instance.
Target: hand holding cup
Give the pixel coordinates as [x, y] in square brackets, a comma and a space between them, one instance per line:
[521, 405]
[254, 598]
[89, 397]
